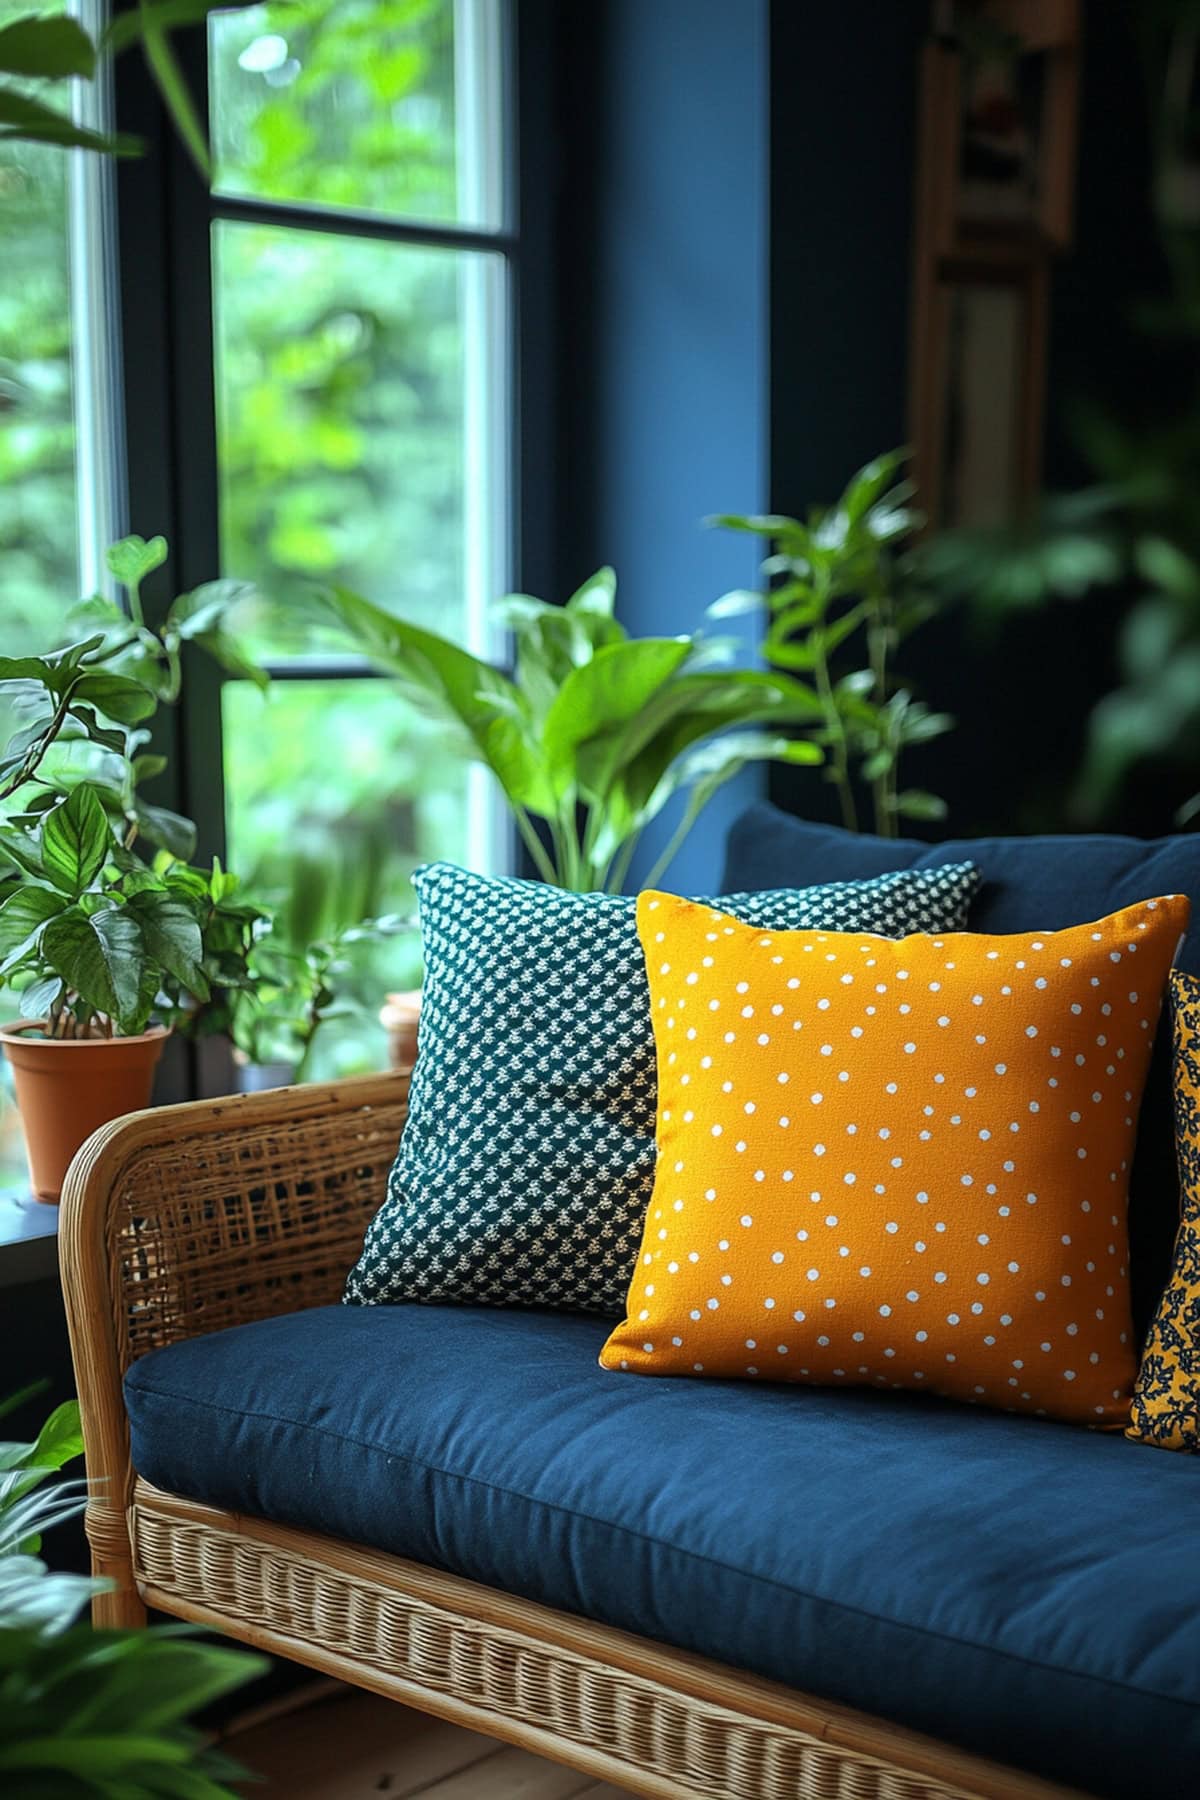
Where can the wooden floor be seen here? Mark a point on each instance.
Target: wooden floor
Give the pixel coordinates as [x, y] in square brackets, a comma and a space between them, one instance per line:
[346, 1745]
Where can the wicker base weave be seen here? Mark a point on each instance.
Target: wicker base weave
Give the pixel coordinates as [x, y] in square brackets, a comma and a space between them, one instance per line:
[190, 1218]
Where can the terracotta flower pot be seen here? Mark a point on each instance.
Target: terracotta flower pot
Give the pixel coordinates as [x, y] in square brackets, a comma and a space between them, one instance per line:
[400, 1017]
[67, 1087]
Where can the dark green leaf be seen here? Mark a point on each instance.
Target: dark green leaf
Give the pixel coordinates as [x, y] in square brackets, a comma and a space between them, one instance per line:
[21, 116]
[22, 918]
[118, 696]
[168, 830]
[449, 681]
[171, 935]
[52, 48]
[76, 838]
[604, 694]
[102, 957]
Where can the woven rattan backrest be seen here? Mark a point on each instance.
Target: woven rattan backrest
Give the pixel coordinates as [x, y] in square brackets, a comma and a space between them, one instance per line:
[246, 1222]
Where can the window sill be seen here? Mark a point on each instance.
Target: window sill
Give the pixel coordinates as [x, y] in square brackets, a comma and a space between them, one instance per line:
[28, 1239]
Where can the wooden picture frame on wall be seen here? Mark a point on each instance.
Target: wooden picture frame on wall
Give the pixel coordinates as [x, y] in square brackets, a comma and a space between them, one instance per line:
[995, 179]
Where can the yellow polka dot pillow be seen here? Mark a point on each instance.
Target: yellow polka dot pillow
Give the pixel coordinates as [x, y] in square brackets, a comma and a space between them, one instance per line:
[1166, 1399]
[900, 1162]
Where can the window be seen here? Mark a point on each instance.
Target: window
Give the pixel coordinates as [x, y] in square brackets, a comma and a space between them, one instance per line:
[361, 278]
[58, 432]
[60, 489]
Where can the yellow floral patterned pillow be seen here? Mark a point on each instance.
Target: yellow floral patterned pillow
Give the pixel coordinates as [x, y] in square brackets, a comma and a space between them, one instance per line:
[1166, 1399]
[901, 1162]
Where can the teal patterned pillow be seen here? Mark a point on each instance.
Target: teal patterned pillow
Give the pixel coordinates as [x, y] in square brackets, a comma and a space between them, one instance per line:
[527, 1162]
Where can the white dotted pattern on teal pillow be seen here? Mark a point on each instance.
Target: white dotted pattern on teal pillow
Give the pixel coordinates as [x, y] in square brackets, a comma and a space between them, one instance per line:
[527, 1161]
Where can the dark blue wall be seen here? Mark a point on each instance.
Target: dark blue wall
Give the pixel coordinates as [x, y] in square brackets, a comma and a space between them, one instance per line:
[663, 319]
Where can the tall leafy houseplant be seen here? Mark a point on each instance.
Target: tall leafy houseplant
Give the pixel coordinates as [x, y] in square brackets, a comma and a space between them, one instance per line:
[88, 1713]
[592, 732]
[839, 601]
[104, 924]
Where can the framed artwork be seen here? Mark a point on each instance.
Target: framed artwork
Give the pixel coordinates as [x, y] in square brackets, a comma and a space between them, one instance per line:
[995, 177]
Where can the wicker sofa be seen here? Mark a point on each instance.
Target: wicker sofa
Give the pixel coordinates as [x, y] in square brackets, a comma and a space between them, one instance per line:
[684, 1588]
[194, 1218]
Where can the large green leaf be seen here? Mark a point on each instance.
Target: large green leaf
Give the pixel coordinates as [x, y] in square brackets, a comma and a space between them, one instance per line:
[171, 935]
[604, 694]
[442, 677]
[52, 48]
[102, 956]
[21, 116]
[58, 1442]
[513, 752]
[120, 697]
[76, 839]
[22, 919]
[693, 707]
[697, 706]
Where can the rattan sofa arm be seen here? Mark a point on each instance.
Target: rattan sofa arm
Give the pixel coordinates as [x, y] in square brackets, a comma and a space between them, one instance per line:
[187, 1219]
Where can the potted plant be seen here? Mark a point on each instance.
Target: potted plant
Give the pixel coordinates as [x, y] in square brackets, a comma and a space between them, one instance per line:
[839, 598]
[593, 732]
[294, 989]
[107, 933]
[93, 1712]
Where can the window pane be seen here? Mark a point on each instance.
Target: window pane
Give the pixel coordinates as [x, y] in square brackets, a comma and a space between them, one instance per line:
[38, 547]
[335, 792]
[354, 427]
[387, 106]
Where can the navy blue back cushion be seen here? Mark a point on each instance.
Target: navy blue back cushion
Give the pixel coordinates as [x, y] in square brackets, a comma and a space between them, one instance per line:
[1029, 884]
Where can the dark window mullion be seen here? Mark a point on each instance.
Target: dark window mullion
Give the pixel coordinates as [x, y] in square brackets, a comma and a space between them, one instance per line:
[341, 223]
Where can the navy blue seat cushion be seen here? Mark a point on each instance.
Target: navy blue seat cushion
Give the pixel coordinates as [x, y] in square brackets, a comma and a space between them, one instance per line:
[1025, 1589]
[1029, 884]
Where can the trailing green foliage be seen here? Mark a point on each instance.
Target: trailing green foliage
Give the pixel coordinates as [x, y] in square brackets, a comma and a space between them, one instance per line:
[839, 602]
[593, 731]
[83, 1712]
[53, 48]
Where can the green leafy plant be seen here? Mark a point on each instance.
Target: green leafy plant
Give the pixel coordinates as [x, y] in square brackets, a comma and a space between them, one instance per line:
[840, 601]
[593, 731]
[52, 48]
[105, 923]
[296, 988]
[95, 937]
[83, 1712]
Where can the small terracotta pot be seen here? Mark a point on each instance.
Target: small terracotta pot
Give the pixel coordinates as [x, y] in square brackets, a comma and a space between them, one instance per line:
[68, 1087]
[400, 1017]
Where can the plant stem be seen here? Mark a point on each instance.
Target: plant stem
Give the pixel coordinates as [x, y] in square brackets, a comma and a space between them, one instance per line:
[841, 750]
[618, 869]
[877, 642]
[662, 862]
[38, 749]
[534, 845]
